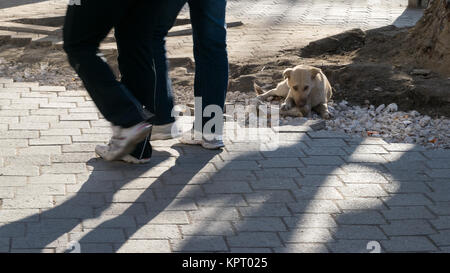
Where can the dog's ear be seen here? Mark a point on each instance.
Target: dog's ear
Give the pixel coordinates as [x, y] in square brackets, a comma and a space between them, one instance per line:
[314, 72]
[287, 73]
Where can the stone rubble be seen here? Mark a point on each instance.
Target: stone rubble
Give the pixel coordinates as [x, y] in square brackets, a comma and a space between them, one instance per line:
[385, 121]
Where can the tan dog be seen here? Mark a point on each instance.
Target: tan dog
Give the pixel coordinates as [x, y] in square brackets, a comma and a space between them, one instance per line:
[305, 88]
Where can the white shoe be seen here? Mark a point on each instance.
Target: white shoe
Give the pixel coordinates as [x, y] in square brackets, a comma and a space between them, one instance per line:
[190, 139]
[123, 141]
[166, 131]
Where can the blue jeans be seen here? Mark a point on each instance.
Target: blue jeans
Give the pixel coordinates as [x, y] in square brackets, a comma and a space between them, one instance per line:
[86, 25]
[210, 53]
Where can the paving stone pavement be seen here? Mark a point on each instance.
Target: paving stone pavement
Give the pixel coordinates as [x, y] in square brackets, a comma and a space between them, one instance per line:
[299, 196]
[269, 25]
[313, 192]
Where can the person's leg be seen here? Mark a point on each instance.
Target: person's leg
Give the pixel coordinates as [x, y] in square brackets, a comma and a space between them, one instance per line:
[210, 52]
[165, 15]
[133, 36]
[86, 25]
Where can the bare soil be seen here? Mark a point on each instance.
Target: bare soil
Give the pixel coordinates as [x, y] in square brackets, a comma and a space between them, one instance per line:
[364, 68]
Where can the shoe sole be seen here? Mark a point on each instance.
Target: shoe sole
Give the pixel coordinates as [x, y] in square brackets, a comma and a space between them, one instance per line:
[204, 145]
[131, 144]
[135, 160]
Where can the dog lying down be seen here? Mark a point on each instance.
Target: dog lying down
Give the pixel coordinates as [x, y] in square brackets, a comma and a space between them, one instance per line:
[305, 88]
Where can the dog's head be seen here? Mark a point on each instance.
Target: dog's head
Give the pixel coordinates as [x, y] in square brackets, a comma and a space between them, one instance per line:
[301, 81]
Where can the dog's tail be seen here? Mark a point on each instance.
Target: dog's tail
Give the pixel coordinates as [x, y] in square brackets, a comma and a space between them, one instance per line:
[258, 89]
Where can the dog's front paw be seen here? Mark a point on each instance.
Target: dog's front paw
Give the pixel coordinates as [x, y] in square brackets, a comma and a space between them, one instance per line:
[261, 97]
[327, 115]
[285, 107]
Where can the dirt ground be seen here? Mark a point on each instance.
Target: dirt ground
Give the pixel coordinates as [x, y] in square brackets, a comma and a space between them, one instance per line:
[364, 68]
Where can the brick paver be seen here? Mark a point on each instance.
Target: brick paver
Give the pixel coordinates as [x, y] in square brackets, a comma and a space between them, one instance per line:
[306, 198]
[319, 192]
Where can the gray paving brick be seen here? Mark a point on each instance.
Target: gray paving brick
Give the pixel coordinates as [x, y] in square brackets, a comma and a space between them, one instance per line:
[365, 149]
[237, 165]
[349, 246]
[53, 179]
[324, 151]
[19, 215]
[33, 160]
[443, 222]
[407, 227]
[178, 191]
[441, 208]
[163, 232]
[302, 248]
[407, 199]
[316, 193]
[278, 196]
[319, 181]
[408, 244]
[278, 173]
[4, 245]
[101, 235]
[437, 154]
[362, 190]
[39, 150]
[260, 224]
[409, 212]
[214, 214]
[360, 178]
[410, 187]
[363, 168]
[274, 184]
[442, 238]
[356, 217]
[13, 181]
[64, 168]
[313, 206]
[221, 200]
[122, 208]
[365, 158]
[250, 250]
[233, 175]
[321, 170]
[199, 244]
[323, 160]
[208, 228]
[227, 187]
[164, 217]
[306, 235]
[145, 246]
[439, 173]
[17, 170]
[281, 163]
[264, 210]
[359, 232]
[436, 164]
[12, 230]
[97, 248]
[110, 221]
[254, 239]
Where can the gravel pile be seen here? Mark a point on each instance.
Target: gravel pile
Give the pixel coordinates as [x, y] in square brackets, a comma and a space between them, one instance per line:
[390, 124]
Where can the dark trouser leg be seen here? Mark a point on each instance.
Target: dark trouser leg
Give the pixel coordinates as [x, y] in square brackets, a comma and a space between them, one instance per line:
[211, 58]
[86, 25]
[165, 15]
[134, 42]
[134, 39]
